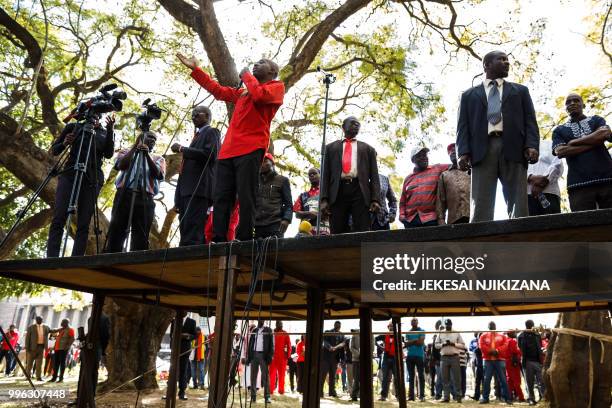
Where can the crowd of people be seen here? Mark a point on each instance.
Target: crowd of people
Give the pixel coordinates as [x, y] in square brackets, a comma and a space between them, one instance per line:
[262, 359]
[232, 190]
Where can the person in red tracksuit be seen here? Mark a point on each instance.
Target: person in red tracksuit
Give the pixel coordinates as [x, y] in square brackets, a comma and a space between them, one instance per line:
[513, 367]
[282, 352]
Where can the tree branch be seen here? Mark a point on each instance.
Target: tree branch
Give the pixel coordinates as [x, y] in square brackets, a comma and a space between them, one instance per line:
[12, 196]
[25, 230]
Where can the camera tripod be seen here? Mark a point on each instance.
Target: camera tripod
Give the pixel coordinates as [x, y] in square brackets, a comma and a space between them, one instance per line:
[80, 168]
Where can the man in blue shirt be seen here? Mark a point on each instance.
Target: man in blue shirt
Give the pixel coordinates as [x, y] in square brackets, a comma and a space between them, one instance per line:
[415, 358]
[581, 142]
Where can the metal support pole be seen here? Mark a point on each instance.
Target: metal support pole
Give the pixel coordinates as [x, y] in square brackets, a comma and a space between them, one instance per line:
[224, 332]
[312, 357]
[366, 388]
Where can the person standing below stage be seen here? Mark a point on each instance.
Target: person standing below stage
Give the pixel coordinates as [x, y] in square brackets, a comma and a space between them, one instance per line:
[199, 359]
[282, 352]
[194, 189]
[351, 186]
[493, 347]
[529, 341]
[261, 350]
[581, 141]
[63, 341]
[479, 369]
[103, 145]
[544, 196]
[246, 140]
[300, 349]
[12, 338]
[307, 204]
[450, 345]
[497, 135]
[383, 219]
[273, 211]
[292, 364]
[129, 184]
[513, 368]
[418, 199]
[453, 193]
[415, 359]
[355, 349]
[35, 345]
[391, 352]
[188, 333]
[333, 345]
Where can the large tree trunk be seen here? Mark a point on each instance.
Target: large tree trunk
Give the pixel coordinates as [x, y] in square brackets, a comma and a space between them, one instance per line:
[136, 335]
[567, 364]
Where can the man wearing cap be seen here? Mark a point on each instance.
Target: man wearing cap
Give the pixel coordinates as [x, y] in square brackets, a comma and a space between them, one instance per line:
[273, 201]
[418, 201]
[351, 186]
[497, 135]
[450, 346]
[453, 193]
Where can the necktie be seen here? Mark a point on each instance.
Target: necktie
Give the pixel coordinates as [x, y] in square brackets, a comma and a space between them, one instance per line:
[193, 139]
[347, 156]
[494, 104]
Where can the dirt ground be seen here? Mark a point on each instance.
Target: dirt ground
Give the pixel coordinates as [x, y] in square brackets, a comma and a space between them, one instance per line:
[197, 398]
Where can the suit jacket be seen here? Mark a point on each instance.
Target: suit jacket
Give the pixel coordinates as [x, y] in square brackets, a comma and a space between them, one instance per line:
[268, 344]
[367, 172]
[201, 152]
[31, 340]
[520, 125]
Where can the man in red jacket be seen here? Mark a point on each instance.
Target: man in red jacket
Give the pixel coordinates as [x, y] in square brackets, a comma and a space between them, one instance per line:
[493, 346]
[246, 140]
[12, 337]
[513, 368]
[282, 352]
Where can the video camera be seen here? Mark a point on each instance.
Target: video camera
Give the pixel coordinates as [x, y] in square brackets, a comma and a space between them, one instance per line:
[104, 103]
[151, 112]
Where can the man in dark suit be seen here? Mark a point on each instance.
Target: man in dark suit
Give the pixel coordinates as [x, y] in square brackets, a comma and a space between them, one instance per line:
[350, 186]
[188, 333]
[261, 351]
[497, 135]
[333, 346]
[194, 190]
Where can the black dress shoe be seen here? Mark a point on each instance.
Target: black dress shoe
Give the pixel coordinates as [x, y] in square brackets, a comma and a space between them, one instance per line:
[268, 400]
[182, 398]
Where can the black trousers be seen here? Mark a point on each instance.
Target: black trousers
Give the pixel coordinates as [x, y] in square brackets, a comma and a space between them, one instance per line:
[349, 203]
[266, 231]
[86, 204]
[292, 374]
[237, 177]
[591, 197]
[193, 213]
[356, 375]
[415, 363]
[535, 208]
[376, 226]
[59, 364]
[300, 376]
[328, 369]
[142, 218]
[183, 374]
[478, 379]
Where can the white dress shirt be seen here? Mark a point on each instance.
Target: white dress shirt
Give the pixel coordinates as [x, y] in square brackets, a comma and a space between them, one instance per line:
[353, 172]
[548, 165]
[259, 344]
[487, 83]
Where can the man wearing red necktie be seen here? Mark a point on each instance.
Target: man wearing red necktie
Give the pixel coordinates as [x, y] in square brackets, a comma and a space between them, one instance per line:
[350, 184]
[246, 141]
[194, 189]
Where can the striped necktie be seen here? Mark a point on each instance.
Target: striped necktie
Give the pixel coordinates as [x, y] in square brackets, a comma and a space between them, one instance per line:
[494, 104]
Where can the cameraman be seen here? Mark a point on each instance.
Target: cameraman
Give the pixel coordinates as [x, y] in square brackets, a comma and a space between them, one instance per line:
[103, 145]
[144, 206]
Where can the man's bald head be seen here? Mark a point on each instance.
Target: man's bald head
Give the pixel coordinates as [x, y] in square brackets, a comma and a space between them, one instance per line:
[200, 116]
[574, 105]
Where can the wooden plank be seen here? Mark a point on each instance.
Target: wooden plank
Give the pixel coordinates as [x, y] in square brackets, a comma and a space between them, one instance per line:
[224, 332]
[400, 385]
[175, 351]
[86, 387]
[312, 358]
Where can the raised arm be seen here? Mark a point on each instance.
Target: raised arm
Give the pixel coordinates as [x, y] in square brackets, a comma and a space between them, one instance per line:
[271, 92]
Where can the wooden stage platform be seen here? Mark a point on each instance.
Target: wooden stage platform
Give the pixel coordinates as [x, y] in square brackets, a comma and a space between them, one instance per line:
[188, 278]
[312, 279]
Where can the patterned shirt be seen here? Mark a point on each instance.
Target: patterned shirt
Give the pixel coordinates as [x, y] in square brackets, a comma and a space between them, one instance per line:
[419, 194]
[386, 193]
[453, 195]
[152, 185]
[591, 167]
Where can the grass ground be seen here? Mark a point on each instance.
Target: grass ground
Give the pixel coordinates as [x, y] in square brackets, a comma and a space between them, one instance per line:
[197, 398]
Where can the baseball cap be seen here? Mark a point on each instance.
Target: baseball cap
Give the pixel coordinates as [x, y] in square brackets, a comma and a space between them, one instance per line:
[269, 156]
[416, 150]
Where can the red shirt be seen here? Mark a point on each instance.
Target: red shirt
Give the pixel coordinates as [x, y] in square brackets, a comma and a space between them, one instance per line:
[390, 345]
[12, 337]
[493, 341]
[299, 349]
[282, 345]
[419, 194]
[512, 349]
[255, 107]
